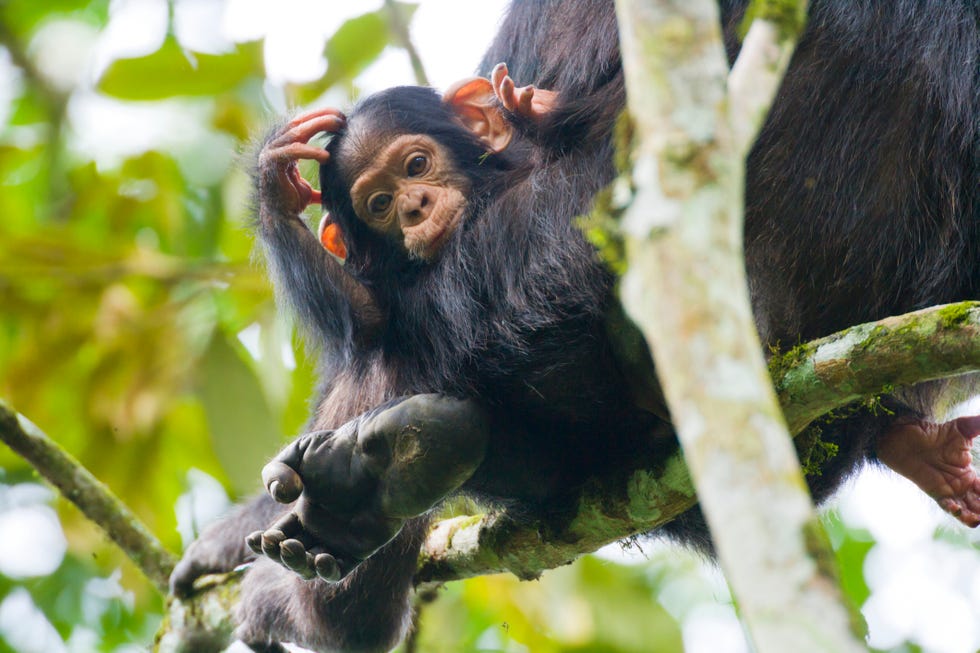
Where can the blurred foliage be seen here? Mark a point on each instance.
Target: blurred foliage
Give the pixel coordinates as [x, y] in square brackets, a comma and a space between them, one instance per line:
[137, 331]
[593, 605]
[127, 281]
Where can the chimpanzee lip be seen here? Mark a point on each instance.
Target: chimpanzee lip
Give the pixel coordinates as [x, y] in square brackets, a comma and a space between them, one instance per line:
[440, 240]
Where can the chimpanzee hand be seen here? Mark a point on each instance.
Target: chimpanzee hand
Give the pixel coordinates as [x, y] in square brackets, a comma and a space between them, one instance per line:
[525, 101]
[355, 487]
[936, 457]
[279, 179]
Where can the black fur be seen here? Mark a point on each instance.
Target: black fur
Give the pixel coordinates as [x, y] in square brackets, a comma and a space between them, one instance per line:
[861, 201]
[511, 313]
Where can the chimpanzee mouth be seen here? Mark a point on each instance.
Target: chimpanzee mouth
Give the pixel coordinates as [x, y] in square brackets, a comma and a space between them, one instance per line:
[436, 244]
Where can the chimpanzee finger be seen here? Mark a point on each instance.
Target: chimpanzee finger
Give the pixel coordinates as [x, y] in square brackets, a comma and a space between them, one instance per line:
[271, 539]
[296, 151]
[326, 567]
[524, 101]
[282, 482]
[497, 76]
[254, 542]
[507, 94]
[316, 113]
[297, 558]
[304, 131]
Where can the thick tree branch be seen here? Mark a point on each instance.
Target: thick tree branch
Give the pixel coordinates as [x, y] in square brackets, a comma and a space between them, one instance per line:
[610, 509]
[873, 359]
[92, 497]
[813, 379]
[686, 289]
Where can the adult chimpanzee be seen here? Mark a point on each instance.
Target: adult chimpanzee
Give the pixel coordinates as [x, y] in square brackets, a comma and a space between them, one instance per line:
[861, 202]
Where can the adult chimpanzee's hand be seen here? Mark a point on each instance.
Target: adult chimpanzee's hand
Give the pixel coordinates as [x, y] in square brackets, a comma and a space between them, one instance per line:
[525, 101]
[354, 487]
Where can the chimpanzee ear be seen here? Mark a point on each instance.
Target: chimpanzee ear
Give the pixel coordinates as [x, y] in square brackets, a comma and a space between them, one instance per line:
[475, 104]
[331, 237]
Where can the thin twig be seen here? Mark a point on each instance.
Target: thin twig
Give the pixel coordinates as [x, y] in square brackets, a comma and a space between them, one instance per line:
[92, 497]
[757, 73]
[400, 29]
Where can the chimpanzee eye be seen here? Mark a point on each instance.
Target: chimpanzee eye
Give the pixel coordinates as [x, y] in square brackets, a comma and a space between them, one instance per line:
[417, 164]
[379, 202]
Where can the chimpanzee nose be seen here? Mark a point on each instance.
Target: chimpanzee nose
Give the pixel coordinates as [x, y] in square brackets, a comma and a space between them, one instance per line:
[413, 206]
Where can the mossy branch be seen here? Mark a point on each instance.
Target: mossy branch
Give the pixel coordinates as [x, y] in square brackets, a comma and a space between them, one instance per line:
[872, 359]
[813, 379]
[91, 496]
[203, 624]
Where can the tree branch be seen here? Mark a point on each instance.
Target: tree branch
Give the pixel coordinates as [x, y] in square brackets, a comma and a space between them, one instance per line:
[609, 509]
[812, 380]
[204, 623]
[92, 497]
[757, 73]
[400, 28]
[873, 359]
[686, 289]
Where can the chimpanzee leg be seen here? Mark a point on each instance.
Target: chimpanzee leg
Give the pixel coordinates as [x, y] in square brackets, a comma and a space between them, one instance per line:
[365, 612]
[355, 487]
[221, 547]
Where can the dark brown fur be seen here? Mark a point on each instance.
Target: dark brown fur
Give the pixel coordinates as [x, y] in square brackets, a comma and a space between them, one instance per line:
[861, 202]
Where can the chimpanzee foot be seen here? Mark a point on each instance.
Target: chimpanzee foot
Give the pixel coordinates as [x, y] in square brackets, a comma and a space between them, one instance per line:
[355, 487]
[283, 542]
[526, 101]
[936, 457]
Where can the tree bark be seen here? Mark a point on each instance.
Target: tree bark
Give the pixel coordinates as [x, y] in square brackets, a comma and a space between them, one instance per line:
[686, 290]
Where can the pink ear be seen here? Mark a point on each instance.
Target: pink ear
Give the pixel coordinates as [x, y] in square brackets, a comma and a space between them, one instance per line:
[331, 237]
[475, 104]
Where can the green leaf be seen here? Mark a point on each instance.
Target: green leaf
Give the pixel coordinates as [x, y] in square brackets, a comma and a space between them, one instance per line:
[353, 48]
[244, 432]
[23, 16]
[173, 70]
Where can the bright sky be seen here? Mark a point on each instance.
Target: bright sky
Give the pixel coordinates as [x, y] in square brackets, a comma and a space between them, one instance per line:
[923, 589]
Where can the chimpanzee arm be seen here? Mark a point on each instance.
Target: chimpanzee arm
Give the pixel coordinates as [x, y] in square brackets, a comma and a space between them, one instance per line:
[576, 57]
[355, 487]
[221, 547]
[326, 297]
